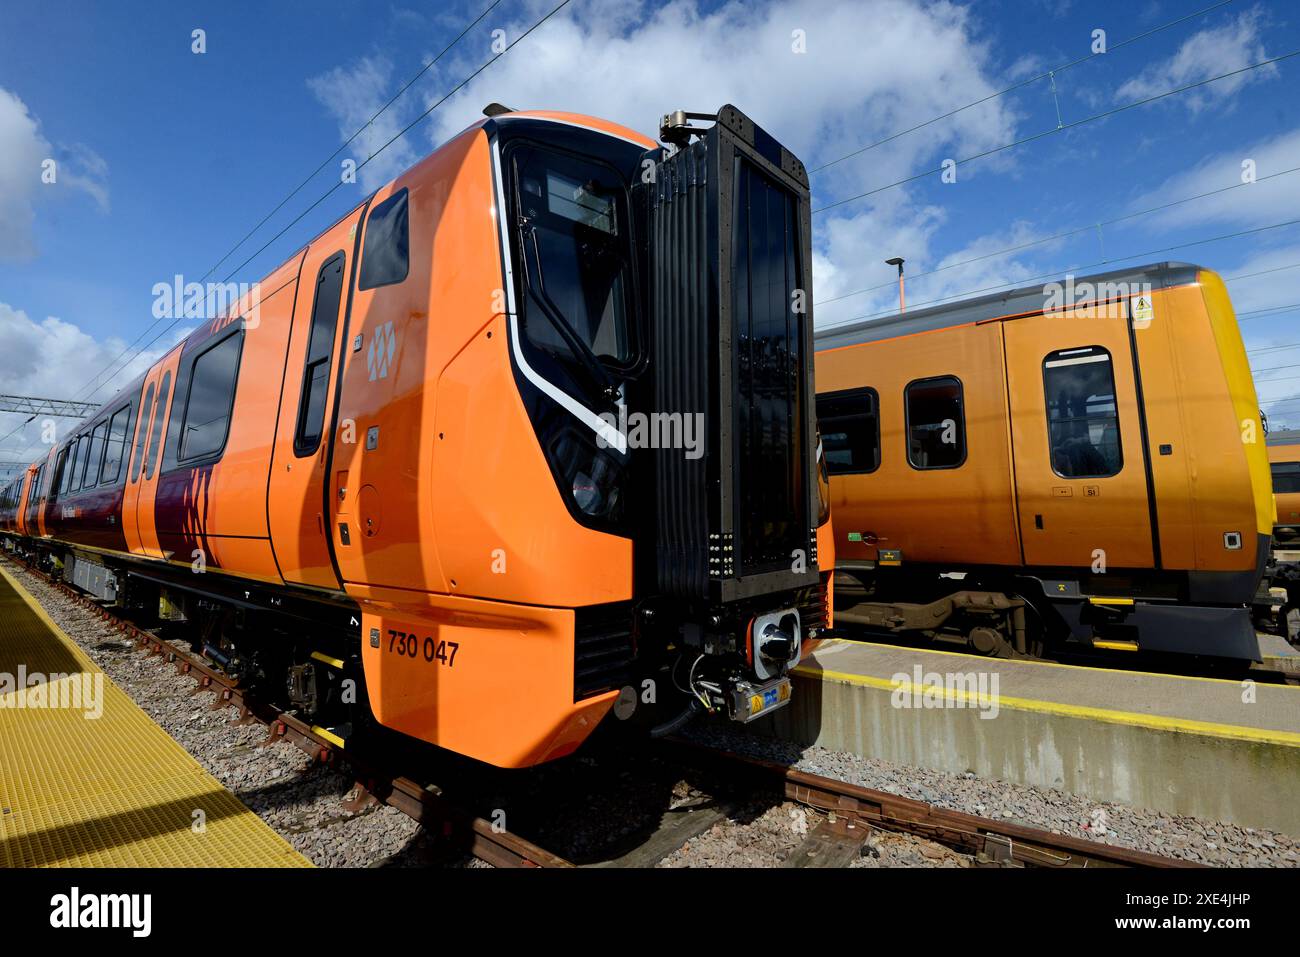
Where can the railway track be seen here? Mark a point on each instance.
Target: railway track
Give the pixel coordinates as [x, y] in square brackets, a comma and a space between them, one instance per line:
[846, 814]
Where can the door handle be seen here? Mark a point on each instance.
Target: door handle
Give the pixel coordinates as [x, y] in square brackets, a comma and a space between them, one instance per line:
[1038, 521]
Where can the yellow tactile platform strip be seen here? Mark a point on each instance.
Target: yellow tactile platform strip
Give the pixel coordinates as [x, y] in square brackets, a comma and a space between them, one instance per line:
[108, 791]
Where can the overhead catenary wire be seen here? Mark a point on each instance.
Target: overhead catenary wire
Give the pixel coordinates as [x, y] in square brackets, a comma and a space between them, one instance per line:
[448, 95]
[1074, 124]
[1022, 84]
[1058, 272]
[893, 283]
[91, 385]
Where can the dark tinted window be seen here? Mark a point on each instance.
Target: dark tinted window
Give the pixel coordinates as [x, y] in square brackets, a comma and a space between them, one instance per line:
[212, 395]
[1082, 418]
[850, 425]
[320, 345]
[79, 466]
[936, 423]
[116, 450]
[1286, 477]
[56, 480]
[386, 257]
[96, 454]
[155, 433]
[575, 254]
[142, 432]
[65, 468]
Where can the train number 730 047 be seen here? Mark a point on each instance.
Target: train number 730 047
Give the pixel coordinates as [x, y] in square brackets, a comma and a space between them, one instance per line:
[428, 648]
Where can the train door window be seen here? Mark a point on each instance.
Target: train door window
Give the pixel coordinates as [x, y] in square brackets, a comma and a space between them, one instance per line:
[155, 433]
[113, 454]
[96, 454]
[1082, 414]
[1286, 477]
[79, 466]
[936, 423]
[211, 397]
[320, 345]
[138, 457]
[386, 257]
[850, 427]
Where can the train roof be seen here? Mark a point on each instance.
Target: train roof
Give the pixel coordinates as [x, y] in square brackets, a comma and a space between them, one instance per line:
[1283, 437]
[1026, 299]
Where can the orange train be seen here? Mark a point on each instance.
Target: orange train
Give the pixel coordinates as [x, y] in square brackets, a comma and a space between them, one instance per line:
[1284, 460]
[531, 426]
[1080, 463]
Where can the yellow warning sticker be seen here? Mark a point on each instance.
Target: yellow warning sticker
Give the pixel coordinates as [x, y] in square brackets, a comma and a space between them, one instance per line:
[1144, 310]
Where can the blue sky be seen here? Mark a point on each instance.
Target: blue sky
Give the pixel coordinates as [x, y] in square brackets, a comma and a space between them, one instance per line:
[165, 158]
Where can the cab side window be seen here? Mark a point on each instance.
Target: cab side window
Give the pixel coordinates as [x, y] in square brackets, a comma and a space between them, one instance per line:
[1082, 415]
[850, 426]
[936, 423]
[385, 258]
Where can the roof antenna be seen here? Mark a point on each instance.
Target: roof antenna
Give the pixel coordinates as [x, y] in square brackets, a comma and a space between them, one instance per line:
[496, 109]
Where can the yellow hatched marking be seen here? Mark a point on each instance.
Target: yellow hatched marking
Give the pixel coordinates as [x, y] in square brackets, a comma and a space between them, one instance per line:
[108, 791]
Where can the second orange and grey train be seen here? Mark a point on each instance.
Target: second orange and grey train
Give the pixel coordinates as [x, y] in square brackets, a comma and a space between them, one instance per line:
[1075, 464]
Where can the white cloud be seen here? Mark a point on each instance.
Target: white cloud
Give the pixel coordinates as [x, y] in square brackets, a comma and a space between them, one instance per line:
[1210, 52]
[1267, 200]
[55, 359]
[631, 62]
[353, 95]
[23, 150]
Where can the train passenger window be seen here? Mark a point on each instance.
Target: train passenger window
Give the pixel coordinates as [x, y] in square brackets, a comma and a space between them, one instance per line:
[1082, 415]
[117, 427]
[850, 426]
[155, 434]
[385, 259]
[62, 472]
[96, 454]
[212, 396]
[1286, 477]
[79, 465]
[320, 344]
[936, 423]
[139, 441]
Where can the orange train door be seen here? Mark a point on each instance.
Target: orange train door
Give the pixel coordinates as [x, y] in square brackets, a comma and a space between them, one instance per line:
[296, 509]
[147, 486]
[1080, 457]
[135, 462]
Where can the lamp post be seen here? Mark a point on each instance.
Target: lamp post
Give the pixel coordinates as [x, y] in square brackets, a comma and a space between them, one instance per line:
[898, 261]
